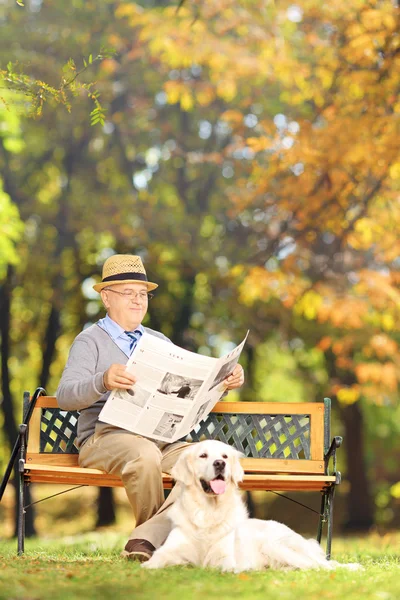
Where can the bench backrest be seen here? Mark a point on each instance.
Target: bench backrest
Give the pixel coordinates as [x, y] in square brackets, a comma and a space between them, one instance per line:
[273, 437]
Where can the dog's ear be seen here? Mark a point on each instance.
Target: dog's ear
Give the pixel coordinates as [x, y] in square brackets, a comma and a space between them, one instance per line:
[237, 470]
[183, 469]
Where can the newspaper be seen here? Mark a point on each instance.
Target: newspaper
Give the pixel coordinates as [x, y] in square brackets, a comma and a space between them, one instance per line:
[175, 389]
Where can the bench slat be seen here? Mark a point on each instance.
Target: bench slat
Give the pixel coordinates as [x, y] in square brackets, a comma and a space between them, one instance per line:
[38, 473]
[270, 408]
[255, 465]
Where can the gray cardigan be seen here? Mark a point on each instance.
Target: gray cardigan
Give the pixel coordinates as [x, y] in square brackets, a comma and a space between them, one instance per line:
[81, 385]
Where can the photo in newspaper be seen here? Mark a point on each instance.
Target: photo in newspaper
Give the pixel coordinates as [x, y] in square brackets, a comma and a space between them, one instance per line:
[167, 425]
[137, 395]
[183, 387]
[175, 389]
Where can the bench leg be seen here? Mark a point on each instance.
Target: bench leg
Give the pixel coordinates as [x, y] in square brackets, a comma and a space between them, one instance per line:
[21, 491]
[329, 505]
[326, 516]
[21, 517]
[322, 517]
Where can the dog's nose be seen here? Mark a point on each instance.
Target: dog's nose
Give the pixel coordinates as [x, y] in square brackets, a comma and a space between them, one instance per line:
[219, 465]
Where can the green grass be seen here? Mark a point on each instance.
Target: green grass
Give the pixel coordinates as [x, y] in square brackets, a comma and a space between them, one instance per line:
[89, 566]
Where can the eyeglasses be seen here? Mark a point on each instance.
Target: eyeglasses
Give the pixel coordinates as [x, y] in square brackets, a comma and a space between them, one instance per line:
[142, 296]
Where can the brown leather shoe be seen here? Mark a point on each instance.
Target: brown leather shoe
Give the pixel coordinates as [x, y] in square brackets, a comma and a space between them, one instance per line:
[140, 550]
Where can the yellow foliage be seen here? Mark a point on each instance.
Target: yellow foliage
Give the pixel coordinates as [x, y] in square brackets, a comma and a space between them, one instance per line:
[388, 322]
[177, 92]
[347, 312]
[237, 271]
[344, 362]
[348, 395]
[309, 304]
[384, 374]
[395, 490]
[109, 65]
[389, 376]
[257, 144]
[11, 229]
[325, 75]
[340, 98]
[204, 95]
[325, 343]
[383, 345]
[364, 227]
[173, 90]
[374, 20]
[130, 9]
[227, 90]
[338, 347]
[186, 100]
[258, 284]
[232, 116]
[394, 171]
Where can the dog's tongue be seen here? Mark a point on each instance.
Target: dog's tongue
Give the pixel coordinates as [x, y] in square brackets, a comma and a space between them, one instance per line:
[218, 486]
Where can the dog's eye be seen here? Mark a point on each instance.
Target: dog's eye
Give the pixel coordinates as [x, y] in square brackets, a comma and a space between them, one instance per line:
[224, 456]
[204, 455]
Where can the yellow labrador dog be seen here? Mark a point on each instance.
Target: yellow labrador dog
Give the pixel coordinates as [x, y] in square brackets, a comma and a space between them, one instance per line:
[211, 527]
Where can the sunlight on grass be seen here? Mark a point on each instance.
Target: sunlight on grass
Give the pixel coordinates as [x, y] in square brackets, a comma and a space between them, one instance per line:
[90, 566]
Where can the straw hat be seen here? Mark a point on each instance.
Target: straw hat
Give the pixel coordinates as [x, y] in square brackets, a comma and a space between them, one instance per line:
[124, 268]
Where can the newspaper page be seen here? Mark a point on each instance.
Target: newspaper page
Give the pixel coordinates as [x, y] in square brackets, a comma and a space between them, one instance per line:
[175, 389]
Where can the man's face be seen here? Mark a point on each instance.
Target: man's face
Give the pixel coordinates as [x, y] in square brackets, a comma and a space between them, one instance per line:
[127, 310]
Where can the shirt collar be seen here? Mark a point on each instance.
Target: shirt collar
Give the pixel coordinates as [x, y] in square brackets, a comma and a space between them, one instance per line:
[116, 331]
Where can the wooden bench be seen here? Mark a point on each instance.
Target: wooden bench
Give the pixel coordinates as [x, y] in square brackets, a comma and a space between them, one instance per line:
[287, 447]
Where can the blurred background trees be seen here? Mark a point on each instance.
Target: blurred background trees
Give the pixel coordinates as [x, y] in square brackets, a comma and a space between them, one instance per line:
[250, 155]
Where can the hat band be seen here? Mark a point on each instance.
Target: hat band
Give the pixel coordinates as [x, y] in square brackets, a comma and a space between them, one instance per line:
[123, 276]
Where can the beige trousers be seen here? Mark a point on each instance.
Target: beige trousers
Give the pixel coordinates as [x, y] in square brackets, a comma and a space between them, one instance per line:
[140, 464]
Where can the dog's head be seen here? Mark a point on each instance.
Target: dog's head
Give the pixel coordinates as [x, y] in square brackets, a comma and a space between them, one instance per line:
[211, 465]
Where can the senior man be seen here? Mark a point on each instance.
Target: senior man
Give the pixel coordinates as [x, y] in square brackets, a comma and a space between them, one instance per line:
[95, 366]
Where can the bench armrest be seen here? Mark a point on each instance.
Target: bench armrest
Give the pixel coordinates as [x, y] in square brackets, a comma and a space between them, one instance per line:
[336, 443]
[29, 404]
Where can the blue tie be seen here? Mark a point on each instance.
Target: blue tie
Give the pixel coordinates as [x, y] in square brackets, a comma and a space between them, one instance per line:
[133, 336]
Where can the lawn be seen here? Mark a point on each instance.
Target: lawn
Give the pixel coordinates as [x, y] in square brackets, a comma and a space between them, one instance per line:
[89, 566]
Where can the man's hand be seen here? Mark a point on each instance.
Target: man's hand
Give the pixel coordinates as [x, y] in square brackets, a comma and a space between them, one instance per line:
[117, 376]
[236, 379]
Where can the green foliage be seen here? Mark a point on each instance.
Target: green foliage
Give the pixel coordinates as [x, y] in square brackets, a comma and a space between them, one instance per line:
[11, 229]
[288, 374]
[38, 92]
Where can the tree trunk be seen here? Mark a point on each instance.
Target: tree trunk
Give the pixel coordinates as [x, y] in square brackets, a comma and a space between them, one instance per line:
[184, 314]
[64, 239]
[248, 391]
[359, 504]
[52, 333]
[10, 426]
[105, 507]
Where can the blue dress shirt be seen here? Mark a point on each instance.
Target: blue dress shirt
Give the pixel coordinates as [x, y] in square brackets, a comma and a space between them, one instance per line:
[118, 335]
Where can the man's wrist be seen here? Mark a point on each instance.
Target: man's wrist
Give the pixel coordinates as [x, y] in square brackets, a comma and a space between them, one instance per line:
[104, 382]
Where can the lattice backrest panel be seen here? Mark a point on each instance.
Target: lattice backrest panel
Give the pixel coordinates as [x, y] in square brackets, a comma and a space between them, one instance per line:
[259, 436]
[255, 435]
[58, 431]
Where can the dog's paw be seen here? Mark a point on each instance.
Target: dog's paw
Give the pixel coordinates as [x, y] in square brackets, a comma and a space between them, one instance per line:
[238, 570]
[228, 567]
[353, 566]
[150, 565]
[349, 566]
